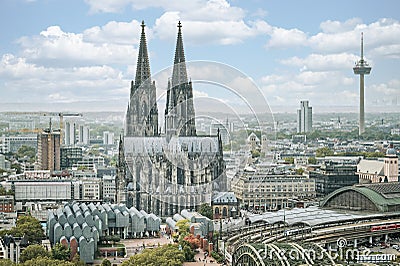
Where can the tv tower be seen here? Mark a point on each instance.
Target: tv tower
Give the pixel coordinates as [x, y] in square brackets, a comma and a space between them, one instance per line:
[362, 68]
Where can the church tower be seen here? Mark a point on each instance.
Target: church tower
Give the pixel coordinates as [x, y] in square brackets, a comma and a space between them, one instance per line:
[120, 181]
[179, 111]
[142, 112]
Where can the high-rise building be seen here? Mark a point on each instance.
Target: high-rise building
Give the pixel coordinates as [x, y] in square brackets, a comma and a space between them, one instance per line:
[70, 133]
[172, 170]
[84, 135]
[48, 150]
[219, 128]
[2, 162]
[108, 138]
[362, 68]
[304, 118]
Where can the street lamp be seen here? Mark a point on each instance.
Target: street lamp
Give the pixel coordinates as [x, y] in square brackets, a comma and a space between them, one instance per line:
[220, 228]
[17, 248]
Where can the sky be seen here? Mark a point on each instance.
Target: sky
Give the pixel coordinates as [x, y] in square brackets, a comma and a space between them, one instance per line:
[81, 55]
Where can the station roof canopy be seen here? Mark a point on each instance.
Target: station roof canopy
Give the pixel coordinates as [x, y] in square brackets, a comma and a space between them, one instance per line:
[310, 216]
[376, 197]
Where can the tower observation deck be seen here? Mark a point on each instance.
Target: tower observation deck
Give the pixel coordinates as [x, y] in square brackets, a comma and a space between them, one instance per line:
[362, 68]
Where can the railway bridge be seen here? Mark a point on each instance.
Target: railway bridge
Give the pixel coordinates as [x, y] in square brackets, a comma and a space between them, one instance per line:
[356, 215]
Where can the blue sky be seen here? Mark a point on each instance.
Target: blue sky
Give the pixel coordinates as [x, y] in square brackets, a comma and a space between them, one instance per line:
[81, 55]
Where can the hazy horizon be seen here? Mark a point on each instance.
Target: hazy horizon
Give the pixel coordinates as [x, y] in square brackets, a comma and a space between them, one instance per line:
[110, 107]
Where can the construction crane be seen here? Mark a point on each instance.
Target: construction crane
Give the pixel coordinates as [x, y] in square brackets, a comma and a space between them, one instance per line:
[36, 130]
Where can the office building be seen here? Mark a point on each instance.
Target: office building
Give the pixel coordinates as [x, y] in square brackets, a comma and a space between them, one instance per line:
[48, 150]
[13, 143]
[221, 129]
[70, 133]
[108, 138]
[2, 162]
[84, 135]
[332, 176]
[70, 156]
[304, 118]
[260, 190]
[109, 189]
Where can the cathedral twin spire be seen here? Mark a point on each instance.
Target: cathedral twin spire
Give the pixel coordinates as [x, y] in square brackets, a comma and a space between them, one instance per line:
[142, 113]
[179, 112]
[143, 66]
[179, 74]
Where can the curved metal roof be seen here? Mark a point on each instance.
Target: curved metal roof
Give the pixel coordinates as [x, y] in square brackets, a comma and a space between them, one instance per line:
[374, 192]
[310, 216]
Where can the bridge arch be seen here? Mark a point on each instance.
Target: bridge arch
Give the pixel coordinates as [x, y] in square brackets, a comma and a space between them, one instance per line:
[247, 255]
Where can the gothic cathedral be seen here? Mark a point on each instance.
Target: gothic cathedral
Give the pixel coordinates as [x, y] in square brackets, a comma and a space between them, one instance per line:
[166, 171]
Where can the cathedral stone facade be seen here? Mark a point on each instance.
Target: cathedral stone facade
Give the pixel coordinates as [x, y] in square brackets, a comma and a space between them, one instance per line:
[166, 171]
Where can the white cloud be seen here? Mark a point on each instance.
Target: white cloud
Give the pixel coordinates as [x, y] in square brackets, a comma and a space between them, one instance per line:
[389, 51]
[380, 33]
[97, 6]
[316, 86]
[33, 83]
[321, 62]
[125, 33]
[391, 88]
[197, 32]
[283, 38]
[193, 10]
[58, 48]
[205, 21]
[330, 26]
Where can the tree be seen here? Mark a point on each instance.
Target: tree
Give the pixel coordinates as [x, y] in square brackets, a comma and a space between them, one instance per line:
[183, 228]
[193, 241]
[44, 261]
[4, 192]
[206, 210]
[188, 252]
[289, 160]
[27, 226]
[312, 160]
[255, 154]
[28, 152]
[105, 262]
[33, 251]
[4, 262]
[324, 151]
[299, 171]
[60, 252]
[166, 255]
[76, 260]
[17, 167]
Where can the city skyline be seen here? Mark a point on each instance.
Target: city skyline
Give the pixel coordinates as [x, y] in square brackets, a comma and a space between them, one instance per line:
[84, 60]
